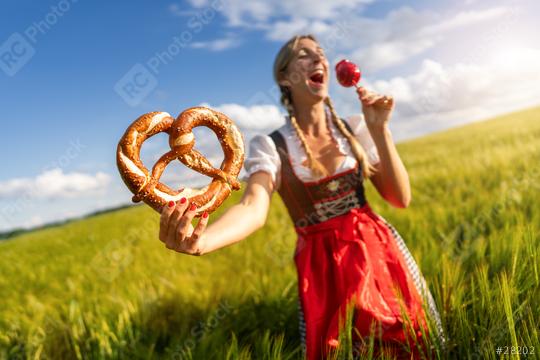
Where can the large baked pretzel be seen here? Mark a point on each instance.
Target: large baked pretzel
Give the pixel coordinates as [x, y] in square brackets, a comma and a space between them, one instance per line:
[146, 186]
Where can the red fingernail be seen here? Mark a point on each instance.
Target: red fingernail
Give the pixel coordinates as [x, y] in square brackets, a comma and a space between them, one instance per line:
[192, 207]
[183, 200]
[171, 203]
[205, 215]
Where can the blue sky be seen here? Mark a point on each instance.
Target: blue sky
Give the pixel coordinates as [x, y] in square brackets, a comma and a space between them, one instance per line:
[66, 67]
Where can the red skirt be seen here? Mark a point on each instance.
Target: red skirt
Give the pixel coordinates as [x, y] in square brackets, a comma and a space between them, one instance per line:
[354, 260]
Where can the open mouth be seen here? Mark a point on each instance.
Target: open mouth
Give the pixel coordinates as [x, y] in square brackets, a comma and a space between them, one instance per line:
[317, 79]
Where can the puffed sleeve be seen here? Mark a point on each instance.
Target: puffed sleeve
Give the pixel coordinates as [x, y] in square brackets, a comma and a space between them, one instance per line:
[263, 156]
[360, 130]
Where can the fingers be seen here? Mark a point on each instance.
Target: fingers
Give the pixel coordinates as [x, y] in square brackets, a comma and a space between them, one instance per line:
[175, 226]
[166, 212]
[179, 209]
[192, 244]
[385, 102]
[369, 98]
[373, 99]
[184, 223]
[365, 95]
[200, 226]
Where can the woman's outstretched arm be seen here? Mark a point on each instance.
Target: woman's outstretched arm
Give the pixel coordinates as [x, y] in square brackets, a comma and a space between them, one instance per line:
[235, 224]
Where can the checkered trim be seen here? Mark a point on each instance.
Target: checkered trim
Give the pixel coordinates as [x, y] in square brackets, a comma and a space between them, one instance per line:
[302, 327]
[419, 280]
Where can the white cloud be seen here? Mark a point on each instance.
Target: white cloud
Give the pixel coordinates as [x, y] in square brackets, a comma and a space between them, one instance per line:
[260, 13]
[256, 117]
[438, 97]
[375, 43]
[177, 10]
[322, 9]
[405, 33]
[465, 18]
[227, 42]
[390, 53]
[277, 19]
[283, 30]
[54, 184]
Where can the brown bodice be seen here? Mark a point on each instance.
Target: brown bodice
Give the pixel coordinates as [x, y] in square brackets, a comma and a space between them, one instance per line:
[313, 202]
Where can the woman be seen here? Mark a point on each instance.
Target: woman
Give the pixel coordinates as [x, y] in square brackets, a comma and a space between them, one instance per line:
[346, 255]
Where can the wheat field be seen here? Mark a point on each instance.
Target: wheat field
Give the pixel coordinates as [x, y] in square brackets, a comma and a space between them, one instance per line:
[104, 287]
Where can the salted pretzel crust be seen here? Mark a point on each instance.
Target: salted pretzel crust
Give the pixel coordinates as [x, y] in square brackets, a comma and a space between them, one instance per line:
[146, 185]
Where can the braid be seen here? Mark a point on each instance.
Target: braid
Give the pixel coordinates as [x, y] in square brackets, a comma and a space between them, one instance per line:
[356, 148]
[313, 164]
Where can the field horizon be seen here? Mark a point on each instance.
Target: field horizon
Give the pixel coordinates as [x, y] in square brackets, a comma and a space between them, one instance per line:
[103, 286]
[5, 235]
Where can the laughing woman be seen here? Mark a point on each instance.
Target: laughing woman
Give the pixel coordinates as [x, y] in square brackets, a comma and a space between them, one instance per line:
[346, 255]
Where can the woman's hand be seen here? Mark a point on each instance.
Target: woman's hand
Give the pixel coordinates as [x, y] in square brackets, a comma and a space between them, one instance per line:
[376, 108]
[176, 231]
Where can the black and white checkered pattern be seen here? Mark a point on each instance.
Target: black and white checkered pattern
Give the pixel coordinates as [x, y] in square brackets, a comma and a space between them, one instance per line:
[419, 280]
[302, 328]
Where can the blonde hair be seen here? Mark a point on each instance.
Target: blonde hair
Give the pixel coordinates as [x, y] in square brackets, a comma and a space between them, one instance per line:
[282, 61]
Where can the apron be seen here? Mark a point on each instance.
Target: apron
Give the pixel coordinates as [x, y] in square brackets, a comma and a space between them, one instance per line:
[347, 256]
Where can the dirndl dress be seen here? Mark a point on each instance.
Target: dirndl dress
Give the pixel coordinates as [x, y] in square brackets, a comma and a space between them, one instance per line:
[347, 255]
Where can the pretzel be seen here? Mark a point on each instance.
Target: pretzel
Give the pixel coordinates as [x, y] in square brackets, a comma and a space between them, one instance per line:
[146, 185]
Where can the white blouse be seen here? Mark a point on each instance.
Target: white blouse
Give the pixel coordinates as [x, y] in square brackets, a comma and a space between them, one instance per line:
[263, 155]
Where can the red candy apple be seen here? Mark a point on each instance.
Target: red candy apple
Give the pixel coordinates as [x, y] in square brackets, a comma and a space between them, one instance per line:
[347, 73]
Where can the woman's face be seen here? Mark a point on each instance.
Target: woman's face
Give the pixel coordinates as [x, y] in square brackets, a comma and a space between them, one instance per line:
[307, 73]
